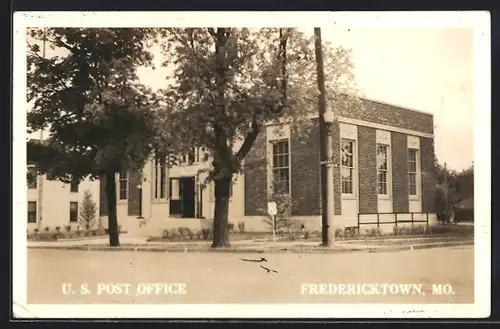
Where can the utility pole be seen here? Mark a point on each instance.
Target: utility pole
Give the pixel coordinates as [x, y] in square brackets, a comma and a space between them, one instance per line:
[40, 177]
[325, 121]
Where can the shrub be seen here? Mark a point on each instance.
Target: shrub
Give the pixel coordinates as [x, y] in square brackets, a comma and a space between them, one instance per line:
[106, 231]
[173, 233]
[207, 233]
[165, 234]
[306, 235]
[67, 228]
[373, 232]
[412, 230]
[58, 229]
[88, 211]
[241, 227]
[230, 226]
[36, 230]
[46, 229]
[120, 228]
[339, 233]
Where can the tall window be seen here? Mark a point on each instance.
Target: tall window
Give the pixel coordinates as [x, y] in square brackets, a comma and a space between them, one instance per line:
[74, 187]
[123, 185]
[412, 171]
[31, 211]
[347, 170]
[281, 167]
[159, 174]
[382, 158]
[32, 176]
[73, 211]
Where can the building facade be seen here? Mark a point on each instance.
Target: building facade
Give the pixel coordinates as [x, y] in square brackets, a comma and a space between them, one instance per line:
[383, 171]
[55, 204]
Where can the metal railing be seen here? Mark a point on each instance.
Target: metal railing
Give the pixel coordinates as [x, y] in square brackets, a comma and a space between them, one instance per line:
[395, 221]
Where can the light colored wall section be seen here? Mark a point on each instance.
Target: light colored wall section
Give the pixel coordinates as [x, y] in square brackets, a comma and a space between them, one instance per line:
[147, 189]
[385, 201]
[415, 202]
[349, 203]
[56, 199]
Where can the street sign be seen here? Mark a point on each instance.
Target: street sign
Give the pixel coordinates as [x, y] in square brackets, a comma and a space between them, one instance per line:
[272, 209]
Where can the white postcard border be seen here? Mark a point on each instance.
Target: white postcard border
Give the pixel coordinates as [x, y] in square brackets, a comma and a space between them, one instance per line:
[480, 21]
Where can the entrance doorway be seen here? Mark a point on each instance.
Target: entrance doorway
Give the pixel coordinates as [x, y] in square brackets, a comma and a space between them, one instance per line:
[188, 197]
[183, 197]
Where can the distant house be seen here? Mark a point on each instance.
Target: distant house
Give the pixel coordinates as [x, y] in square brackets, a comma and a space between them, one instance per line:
[384, 167]
[52, 203]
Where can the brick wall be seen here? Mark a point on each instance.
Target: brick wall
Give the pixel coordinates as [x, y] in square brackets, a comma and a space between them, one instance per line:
[305, 169]
[399, 172]
[386, 114]
[255, 171]
[305, 172]
[367, 139]
[428, 173]
[335, 132]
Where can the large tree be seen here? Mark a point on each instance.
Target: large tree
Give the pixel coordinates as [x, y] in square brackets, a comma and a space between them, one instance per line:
[101, 119]
[228, 83]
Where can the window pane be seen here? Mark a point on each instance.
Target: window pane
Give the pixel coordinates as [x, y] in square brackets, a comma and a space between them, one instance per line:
[31, 205]
[382, 177]
[382, 188]
[74, 187]
[382, 157]
[73, 205]
[346, 173]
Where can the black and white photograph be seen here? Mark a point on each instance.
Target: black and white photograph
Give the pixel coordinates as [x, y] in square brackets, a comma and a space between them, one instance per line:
[284, 165]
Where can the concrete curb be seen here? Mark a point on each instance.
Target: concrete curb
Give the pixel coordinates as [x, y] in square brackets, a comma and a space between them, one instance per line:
[259, 250]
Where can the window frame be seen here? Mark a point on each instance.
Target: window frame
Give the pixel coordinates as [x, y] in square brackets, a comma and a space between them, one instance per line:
[280, 168]
[73, 212]
[352, 168]
[386, 170]
[35, 212]
[120, 190]
[72, 188]
[415, 174]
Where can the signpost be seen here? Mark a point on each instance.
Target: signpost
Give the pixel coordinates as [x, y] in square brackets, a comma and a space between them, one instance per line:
[272, 210]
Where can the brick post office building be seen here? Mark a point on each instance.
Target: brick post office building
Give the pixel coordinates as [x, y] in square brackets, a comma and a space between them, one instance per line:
[384, 171]
[383, 168]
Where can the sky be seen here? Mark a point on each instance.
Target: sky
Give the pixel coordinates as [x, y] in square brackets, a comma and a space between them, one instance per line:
[426, 69]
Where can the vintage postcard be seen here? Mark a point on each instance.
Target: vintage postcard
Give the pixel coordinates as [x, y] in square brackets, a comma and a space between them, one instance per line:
[251, 165]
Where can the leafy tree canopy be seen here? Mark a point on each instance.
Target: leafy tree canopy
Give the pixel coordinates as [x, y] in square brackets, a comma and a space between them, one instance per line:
[229, 82]
[101, 118]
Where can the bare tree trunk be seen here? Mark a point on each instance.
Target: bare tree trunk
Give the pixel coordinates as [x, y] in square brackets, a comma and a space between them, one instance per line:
[221, 234]
[114, 240]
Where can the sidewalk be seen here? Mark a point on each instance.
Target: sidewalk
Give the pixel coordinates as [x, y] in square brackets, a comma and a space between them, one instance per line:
[129, 243]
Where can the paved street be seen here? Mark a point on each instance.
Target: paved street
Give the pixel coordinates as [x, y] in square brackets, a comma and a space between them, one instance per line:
[224, 278]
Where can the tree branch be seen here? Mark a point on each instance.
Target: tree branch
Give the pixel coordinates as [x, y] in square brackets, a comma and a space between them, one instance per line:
[249, 140]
